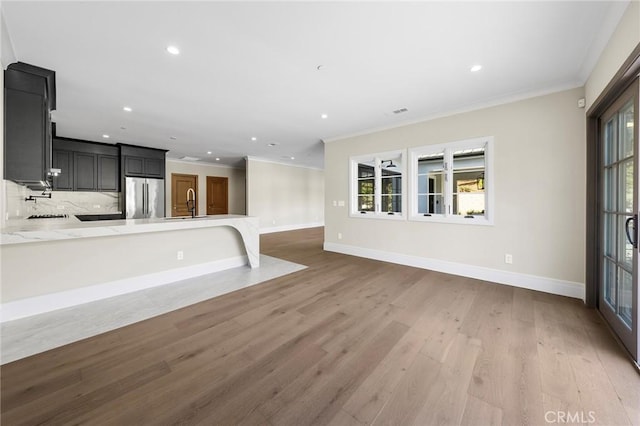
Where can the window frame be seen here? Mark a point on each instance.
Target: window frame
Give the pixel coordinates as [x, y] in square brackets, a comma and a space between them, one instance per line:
[448, 149]
[377, 159]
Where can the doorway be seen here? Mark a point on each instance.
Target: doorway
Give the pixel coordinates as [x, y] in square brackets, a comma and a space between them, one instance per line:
[217, 195]
[180, 189]
[618, 217]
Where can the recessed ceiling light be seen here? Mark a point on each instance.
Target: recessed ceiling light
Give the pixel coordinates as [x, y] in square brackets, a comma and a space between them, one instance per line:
[128, 109]
[254, 139]
[173, 50]
[476, 68]
[320, 67]
[323, 116]
[217, 158]
[272, 144]
[123, 128]
[173, 138]
[105, 136]
[209, 152]
[293, 158]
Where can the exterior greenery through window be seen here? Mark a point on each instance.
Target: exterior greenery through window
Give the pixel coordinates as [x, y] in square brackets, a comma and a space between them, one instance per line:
[378, 184]
[452, 182]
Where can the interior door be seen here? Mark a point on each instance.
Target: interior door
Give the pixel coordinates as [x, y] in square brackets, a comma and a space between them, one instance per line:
[217, 195]
[180, 185]
[618, 289]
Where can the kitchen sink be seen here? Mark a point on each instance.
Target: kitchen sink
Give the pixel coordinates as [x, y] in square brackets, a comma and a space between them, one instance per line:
[92, 217]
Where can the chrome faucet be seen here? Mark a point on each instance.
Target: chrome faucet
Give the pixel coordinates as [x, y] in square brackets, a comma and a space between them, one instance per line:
[191, 202]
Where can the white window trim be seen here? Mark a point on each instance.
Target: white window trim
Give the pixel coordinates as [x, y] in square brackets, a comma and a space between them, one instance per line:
[448, 148]
[353, 187]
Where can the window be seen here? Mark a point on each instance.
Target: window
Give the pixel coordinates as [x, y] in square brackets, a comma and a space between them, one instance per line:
[378, 185]
[453, 182]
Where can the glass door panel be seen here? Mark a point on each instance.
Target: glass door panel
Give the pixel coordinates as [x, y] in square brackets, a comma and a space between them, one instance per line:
[618, 218]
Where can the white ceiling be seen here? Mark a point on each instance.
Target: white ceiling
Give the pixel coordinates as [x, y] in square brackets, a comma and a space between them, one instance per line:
[250, 69]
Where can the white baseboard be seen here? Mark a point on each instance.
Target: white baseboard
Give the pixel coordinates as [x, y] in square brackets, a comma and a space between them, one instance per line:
[290, 227]
[51, 302]
[532, 282]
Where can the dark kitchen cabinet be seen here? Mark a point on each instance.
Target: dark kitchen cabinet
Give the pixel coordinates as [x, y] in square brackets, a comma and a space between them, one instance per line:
[133, 166]
[27, 124]
[143, 162]
[154, 167]
[63, 160]
[85, 171]
[108, 173]
[86, 166]
[143, 167]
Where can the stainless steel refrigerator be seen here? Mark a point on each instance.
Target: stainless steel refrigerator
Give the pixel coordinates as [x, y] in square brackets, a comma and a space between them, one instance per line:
[145, 198]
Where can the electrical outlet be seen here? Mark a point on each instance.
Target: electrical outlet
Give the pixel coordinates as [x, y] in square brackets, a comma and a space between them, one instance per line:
[96, 206]
[508, 258]
[180, 255]
[339, 235]
[273, 221]
[335, 203]
[341, 203]
[61, 207]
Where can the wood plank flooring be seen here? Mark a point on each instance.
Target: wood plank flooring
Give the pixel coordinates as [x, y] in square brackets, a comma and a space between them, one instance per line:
[347, 341]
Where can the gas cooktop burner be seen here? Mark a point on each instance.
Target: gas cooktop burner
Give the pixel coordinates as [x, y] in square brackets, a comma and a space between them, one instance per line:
[48, 216]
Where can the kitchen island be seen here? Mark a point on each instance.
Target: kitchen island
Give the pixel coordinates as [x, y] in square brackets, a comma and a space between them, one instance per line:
[56, 263]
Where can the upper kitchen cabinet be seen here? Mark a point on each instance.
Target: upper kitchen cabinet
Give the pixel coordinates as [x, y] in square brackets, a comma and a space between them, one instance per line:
[62, 160]
[86, 166]
[108, 173]
[29, 94]
[142, 162]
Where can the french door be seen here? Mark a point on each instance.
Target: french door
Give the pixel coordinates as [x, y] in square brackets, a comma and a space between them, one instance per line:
[619, 226]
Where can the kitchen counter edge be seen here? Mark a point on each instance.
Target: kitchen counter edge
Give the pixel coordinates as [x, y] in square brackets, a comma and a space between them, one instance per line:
[28, 232]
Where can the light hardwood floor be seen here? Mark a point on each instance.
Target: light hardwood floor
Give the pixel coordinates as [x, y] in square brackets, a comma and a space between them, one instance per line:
[347, 341]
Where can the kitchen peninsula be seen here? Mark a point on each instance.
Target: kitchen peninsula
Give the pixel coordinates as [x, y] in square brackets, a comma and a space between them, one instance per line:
[59, 263]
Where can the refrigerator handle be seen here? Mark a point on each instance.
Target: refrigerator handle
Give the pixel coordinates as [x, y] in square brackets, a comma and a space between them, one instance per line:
[144, 199]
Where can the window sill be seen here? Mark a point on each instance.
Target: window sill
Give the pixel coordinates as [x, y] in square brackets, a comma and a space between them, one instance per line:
[457, 220]
[383, 216]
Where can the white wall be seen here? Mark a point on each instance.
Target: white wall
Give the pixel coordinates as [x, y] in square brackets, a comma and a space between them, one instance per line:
[7, 56]
[3, 183]
[625, 38]
[237, 184]
[283, 196]
[539, 159]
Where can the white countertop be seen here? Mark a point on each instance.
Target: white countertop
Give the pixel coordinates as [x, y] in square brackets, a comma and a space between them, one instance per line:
[51, 230]
[40, 230]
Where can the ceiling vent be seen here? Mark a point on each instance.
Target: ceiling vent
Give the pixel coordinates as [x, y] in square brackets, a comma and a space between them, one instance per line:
[185, 158]
[400, 111]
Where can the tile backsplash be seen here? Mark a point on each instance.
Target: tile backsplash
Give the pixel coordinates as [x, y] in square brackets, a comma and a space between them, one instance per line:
[61, 202]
